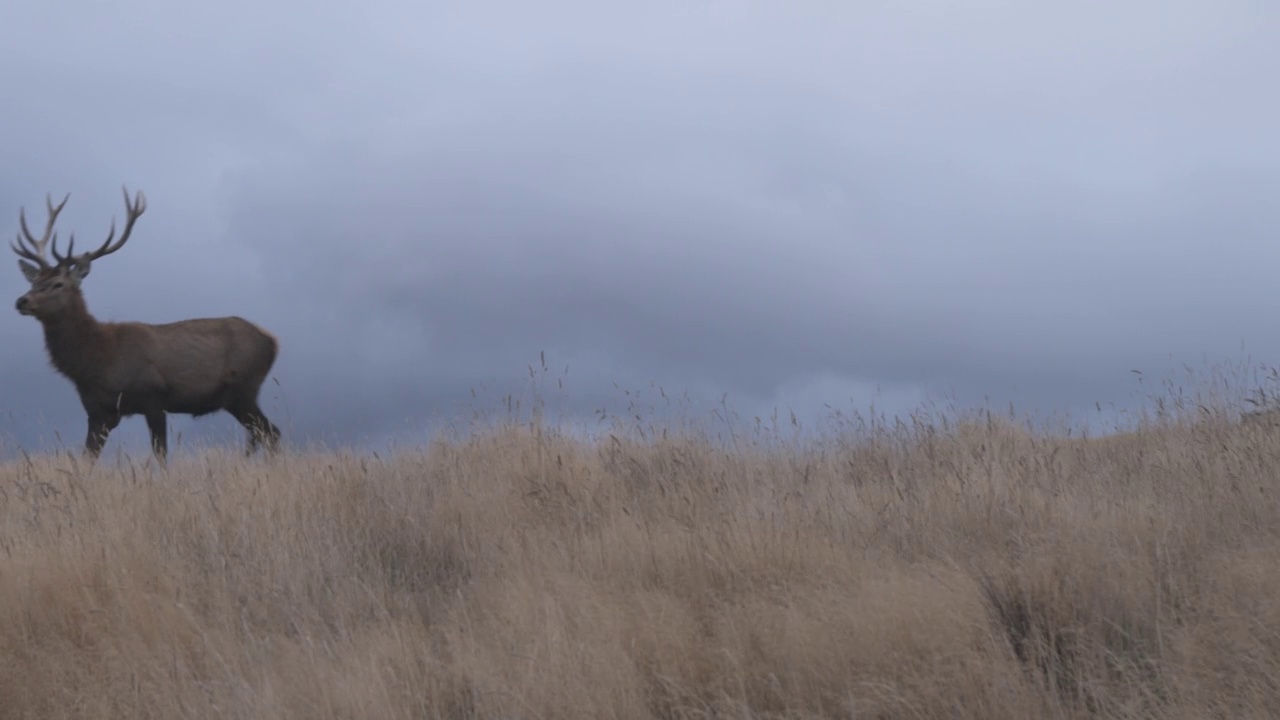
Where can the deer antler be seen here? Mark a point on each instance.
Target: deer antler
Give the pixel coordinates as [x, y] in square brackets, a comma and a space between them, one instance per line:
[133, 209]
[36, 251]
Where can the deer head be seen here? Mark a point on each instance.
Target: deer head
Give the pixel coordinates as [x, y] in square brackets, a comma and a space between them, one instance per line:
[55, 288]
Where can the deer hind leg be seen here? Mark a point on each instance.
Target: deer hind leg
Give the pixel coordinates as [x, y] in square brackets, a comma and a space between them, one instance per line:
[260, 428]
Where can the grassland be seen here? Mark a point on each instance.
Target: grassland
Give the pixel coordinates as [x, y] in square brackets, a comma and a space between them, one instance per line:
[970, 569]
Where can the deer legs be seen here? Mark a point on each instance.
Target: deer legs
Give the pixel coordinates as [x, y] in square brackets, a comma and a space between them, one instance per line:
[260, 428]
[156, 423]
[101, 423]
[100, 426]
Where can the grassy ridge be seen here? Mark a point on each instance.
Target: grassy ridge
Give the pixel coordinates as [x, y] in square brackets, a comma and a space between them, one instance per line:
[973, 570]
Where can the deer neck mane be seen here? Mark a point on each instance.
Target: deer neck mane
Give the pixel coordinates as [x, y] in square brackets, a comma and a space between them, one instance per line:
[76, 342]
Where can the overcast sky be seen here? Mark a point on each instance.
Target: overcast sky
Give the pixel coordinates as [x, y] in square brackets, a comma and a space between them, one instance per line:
[791, 203]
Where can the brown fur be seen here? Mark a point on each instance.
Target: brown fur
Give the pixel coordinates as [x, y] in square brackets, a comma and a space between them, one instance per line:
[192, 367]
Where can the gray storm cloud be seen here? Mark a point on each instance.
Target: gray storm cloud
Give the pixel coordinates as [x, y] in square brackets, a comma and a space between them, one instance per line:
[796, 205]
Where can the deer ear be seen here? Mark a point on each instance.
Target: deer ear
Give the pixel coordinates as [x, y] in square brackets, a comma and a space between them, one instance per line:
[31, 272]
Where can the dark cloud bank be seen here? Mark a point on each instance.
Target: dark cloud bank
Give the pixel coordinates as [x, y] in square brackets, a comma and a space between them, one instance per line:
[822, 205]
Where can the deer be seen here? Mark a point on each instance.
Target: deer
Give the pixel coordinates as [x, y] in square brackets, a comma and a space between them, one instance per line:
[194, 367]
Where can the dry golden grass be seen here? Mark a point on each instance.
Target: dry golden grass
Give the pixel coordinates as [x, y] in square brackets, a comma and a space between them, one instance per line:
[968, 571]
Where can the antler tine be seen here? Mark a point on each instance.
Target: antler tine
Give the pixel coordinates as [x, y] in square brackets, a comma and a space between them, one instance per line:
[134, 211]
[71, 248]
[23, 252]
[36, 251]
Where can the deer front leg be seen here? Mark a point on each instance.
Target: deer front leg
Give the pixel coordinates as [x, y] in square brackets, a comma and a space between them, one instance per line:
[159, 435]
[100, 426]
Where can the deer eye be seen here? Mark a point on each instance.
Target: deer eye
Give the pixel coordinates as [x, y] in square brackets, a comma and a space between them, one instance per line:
[57, 285]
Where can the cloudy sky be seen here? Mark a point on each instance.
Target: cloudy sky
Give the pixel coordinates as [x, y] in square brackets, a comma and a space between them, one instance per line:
[792, 203]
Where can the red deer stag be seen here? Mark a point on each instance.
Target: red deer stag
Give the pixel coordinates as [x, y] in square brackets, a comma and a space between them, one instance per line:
[195, 367]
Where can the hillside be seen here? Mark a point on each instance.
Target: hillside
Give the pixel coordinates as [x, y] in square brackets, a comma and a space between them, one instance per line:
[970, 571]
